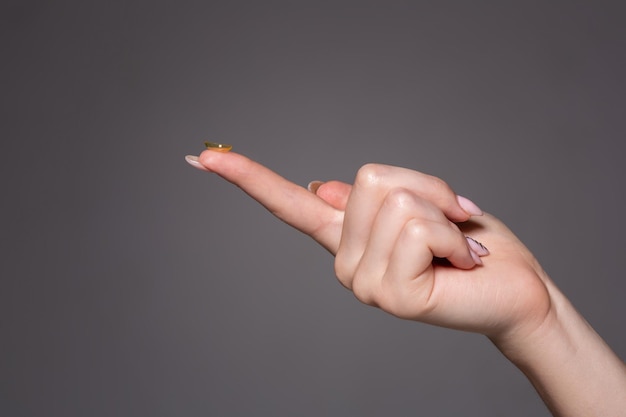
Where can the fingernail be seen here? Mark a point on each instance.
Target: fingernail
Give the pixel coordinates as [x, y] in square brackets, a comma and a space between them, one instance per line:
[477, 247]
[476, 258]
[194, 162]
[469, 206]
[314, 185]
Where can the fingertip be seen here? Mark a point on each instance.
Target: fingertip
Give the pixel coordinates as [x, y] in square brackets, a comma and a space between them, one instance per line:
[209, 158]
[476, 258]
[467, 256]
[195, 162]
[226, 164]
[467, 260]
[469, 206]
[335, 193]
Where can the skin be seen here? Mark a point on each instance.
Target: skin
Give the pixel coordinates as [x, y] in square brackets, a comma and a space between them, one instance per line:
[398, 237]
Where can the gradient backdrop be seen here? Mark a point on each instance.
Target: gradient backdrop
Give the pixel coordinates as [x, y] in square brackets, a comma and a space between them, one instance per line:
[133, 285]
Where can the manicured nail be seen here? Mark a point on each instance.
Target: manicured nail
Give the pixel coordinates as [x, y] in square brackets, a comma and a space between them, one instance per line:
[314, 185]
[476, 258]
[469, 206]
[194, 162]
[477, 247]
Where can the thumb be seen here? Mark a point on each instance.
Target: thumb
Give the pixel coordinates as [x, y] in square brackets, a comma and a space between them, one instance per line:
[335, 193]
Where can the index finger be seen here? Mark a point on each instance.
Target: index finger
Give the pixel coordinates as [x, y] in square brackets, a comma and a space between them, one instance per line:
[290, 202]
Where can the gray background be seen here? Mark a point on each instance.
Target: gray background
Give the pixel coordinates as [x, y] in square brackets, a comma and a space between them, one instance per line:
[132, 284]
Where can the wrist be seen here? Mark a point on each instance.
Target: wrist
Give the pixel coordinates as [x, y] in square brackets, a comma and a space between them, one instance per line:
[522, 342]
[569, 364]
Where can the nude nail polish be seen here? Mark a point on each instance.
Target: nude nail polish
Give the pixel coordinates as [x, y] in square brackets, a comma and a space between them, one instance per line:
[469, 206]
[314, 185]
[477, 247]
[476, 258]
[194, 162]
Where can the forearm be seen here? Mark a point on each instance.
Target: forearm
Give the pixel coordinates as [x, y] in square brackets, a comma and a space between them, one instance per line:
[571, 367]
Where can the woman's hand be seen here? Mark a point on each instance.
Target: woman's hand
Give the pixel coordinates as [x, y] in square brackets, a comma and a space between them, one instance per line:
[398, 227]
[399, 240]
[398, 237]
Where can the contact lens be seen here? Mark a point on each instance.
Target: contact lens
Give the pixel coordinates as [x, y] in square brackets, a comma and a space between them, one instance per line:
[220, 147]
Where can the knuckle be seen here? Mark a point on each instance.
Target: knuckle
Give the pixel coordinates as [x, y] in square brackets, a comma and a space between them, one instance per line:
[400, 198]
[392, 303]
[362, 290]
[343, 271]
[364, 286]
[416, 230]
[342, 277]
[439, 187]
[439, 184]
[370, 175]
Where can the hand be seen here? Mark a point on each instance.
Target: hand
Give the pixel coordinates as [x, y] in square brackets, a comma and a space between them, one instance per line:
[390, 232]
[398, 240]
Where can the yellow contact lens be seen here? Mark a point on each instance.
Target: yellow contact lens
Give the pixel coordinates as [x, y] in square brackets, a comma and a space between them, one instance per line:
[220, 147]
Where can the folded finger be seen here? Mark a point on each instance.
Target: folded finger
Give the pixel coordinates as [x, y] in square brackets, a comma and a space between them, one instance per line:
[372, 185]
